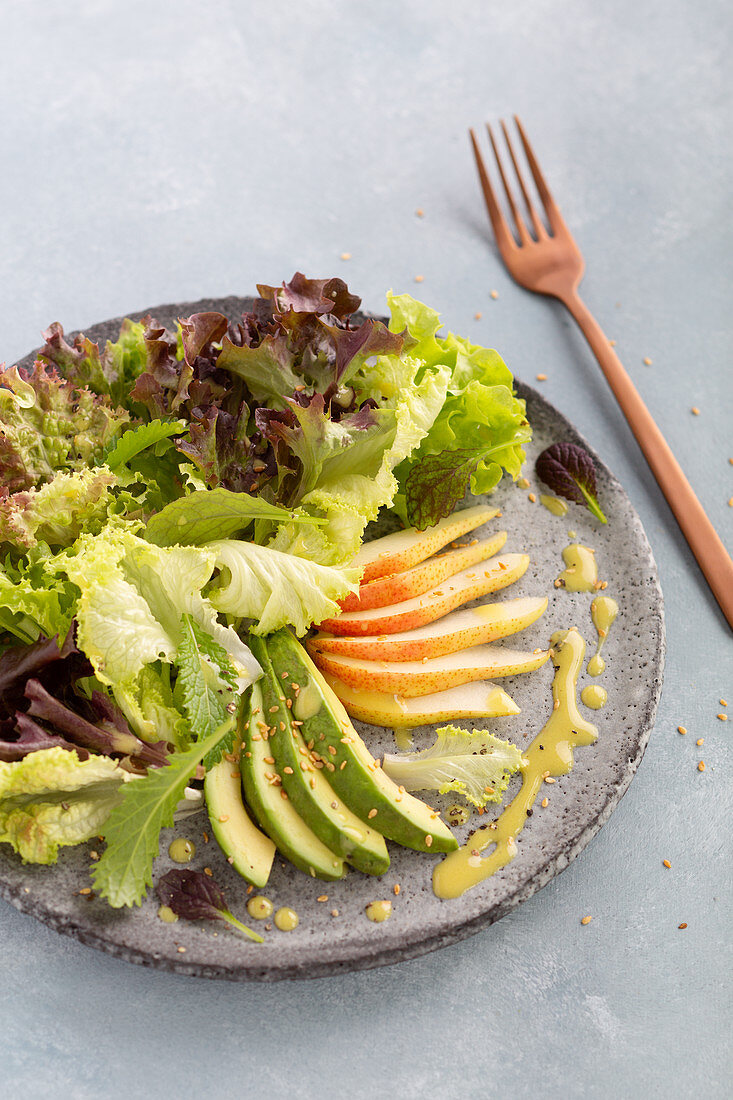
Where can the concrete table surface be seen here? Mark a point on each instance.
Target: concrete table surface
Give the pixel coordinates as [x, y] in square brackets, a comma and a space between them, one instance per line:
[158, 152]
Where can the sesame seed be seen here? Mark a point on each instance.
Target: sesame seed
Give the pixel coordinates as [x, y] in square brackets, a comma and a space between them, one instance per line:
[682, 729]
[477, 316]
[612, 343]
[420, 213]
[550, 779]
[284, 795]
[494, 294]
[322, 897]
[396, 888]
[86, 890]
[723, 702]
[683, 925]
[419, 278]
[586, 920]
[181, 950]
[94, 856]
[700, 741]
[701, 766]
[647, 361]
[532, 498]
[541, 377]
[288, 771]
[206, 838]
[250, 888]
[695, 411]
[544, 803]
[523, 483]
[273, 710]
[208, 871]
[723, 717]
[666, 863]
[345, 256]
[223, 818]
[428, 841]
[334, 912]
[342, 765]
[269, 759]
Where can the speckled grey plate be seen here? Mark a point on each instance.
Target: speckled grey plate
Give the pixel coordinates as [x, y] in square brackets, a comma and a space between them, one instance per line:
[580, 803]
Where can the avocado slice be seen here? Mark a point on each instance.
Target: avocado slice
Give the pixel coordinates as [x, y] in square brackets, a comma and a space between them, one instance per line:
[248, 850]
[305, 781]
[277, 815]
[360, 781]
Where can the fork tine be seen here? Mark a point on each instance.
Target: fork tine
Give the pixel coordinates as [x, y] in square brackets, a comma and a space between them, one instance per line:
[518, 219]
[551, 208]
[504, 238]
[536, 222]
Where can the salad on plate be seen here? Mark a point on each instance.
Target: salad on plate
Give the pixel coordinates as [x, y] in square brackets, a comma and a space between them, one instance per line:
[178, 511]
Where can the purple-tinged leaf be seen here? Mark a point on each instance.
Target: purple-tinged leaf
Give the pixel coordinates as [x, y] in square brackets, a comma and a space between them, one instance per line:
[195, 896]
[435, 486]
[105, 739]
[20, 662]
[568, 470]
[199, 331]
[32, 738]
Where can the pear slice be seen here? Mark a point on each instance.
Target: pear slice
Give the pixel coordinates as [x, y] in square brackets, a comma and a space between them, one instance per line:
[415, 678]
[403, 549]
[461, 630]
[469, 584]
[421, 578]
[380, 708]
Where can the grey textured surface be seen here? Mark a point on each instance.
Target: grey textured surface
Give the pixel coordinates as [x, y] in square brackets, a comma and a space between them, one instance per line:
[580, 803]
[156, 152]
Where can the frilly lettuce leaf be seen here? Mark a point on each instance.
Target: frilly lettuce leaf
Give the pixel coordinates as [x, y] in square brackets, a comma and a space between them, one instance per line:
[354, 482]
[481, 420]
[50, 799]
[59, 511]
[147, 703]
[132, 596]
[476, 764]
[65, 428]
[203, 514]
[276, 589]
[112, 373]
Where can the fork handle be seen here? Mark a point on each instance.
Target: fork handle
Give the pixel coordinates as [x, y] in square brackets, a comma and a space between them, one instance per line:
[704, 541]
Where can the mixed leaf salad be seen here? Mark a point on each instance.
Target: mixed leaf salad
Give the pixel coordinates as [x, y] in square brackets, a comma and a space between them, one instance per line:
[167, 496]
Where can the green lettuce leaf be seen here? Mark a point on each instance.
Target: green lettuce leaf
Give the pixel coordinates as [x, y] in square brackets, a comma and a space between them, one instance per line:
[51, 799]
[203, 515]
[139, 439]
[132, 597]
[274, 588]
[476, 764]
[112, 373]
[132, 832]
[205, 687]
[354, 482]
[32, 602]
[147, 703]
[481, 421]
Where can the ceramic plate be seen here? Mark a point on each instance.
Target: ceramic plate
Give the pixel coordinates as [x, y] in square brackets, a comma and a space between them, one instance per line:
[580, 804]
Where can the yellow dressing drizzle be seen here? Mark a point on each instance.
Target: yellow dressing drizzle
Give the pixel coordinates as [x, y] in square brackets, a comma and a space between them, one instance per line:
[581, 572]
[594, 696]
[166, 914]
[603, 612]
[550, 754]
[403, 739]
[379, 910]
[286, 919]
[259, 907]
[555, 505]
[181, 850]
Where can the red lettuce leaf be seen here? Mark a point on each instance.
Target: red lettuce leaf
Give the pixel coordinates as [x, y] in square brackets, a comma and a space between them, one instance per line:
[568, 470]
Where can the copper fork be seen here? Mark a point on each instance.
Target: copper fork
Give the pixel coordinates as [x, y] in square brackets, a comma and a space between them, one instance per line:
[548, 261]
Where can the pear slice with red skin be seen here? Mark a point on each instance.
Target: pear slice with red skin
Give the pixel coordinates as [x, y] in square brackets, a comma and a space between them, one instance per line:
[416, 678]
[380, 708]
[470, 627]
[401, 550]
[421, 578]
[469, 584]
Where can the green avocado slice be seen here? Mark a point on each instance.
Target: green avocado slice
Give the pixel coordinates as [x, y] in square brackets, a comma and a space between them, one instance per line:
[360, 781]
[248, 850]
[306, 780]
[276, 815]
